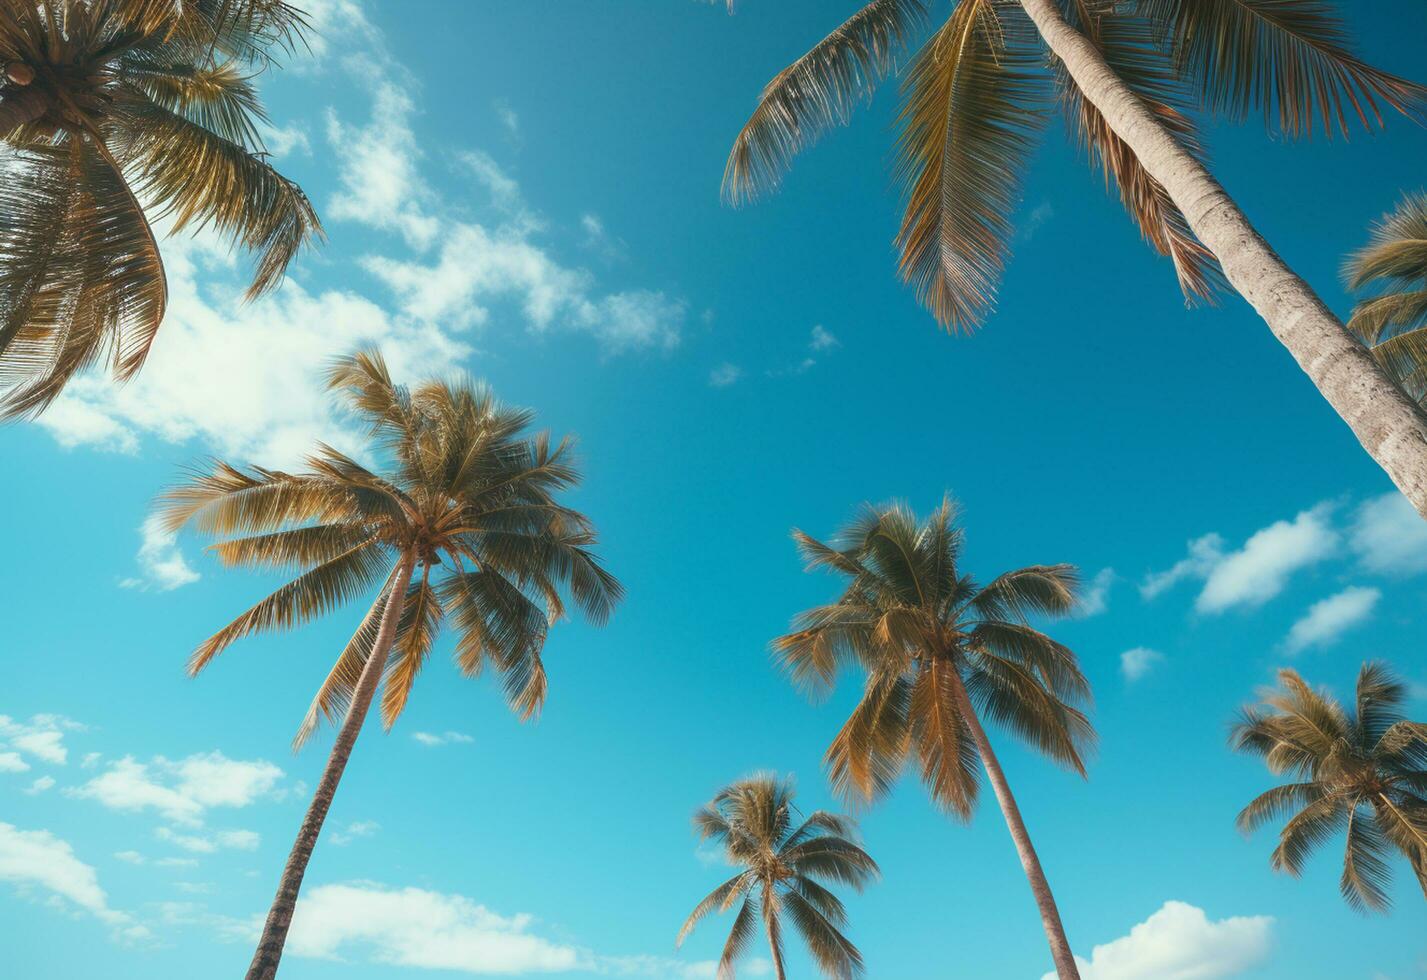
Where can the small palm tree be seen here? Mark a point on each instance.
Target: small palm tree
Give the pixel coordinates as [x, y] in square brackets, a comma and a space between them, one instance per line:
[466, 528]
[1128, 77]
[114, 113]
[784, 869]
[1394, 265]
[1362, 774]
[939, 652]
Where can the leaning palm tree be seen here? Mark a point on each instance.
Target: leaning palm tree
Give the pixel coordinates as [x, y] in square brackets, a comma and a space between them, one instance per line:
[1394, 265]
[466, 528]
[940, 652]
[1361, 773]
[113, 114]
[784, 865]
[1127, 76]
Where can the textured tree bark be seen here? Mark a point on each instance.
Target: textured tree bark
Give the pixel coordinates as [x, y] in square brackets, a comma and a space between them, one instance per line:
[775, 945]
[1389, 425]
[20, 105]
[269, 951]
[1065, 967]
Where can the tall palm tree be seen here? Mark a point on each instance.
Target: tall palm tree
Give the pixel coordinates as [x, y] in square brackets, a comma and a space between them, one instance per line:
[785, 865]
[466, 527]
[1362, 773]
[1126, 75]
[1394, 265]
[939, 652]
[114, 113]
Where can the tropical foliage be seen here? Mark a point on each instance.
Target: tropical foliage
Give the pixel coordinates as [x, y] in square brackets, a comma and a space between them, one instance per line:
[940, 651]
[1361, 773]
[1393, 265]
[465, 530]
[785, 867]
[116, 114]
[977, 91]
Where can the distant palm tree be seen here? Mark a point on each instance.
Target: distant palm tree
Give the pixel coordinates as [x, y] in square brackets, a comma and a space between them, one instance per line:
[939, 652]
[1394, 264]
[1127, 76]
[467, 527]
[113, 113]
[1362, 774]
[782, 863]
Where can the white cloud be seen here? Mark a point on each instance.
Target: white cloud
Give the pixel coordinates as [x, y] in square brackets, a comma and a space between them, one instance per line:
[11, 762]
[724, 375]
[1096, 597]
[38, 860]
[353, 831]
[822, 339]
[507, 116]
[161, 564]
[283, 141]
[1039, 215]
[90, 760]
[183, 790]
[239, 840]
[1180, 943]
[431, 740]
[177, 862]
[40, 785]
[130, 857]
[414, 927]
[1138, 662]
[1389, 536]
[42, 738]
[503, 189]
[1327, 619]
[1256, 572]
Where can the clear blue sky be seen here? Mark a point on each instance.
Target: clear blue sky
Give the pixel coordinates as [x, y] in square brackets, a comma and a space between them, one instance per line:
[529, 191]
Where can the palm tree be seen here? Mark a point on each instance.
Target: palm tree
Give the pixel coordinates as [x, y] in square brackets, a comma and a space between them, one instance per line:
[1394, 322]
[1126, 75]
[784, 868]
[114, 113]
[465, 528]
[1362, 773]
[940, 651]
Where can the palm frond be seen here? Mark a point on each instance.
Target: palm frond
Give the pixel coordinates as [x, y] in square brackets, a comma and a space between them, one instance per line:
[833, 951]
[868, 753]
[334, 697]
[1010, 694]
[951, 765]
[740, 935]
[719, 899]
[816, 92]
[1047, 590]
[421, 617]
[1366, 874]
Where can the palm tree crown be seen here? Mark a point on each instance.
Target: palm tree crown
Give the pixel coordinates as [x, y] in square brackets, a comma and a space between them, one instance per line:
[470, 505]
[785, 866]
[923, 630]
[974, 99]
[1361, 772]
[113, 113]
[1394, 265]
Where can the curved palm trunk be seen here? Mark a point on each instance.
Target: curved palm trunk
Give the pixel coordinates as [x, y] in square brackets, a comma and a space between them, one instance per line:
[770, 925]
[269, 952]
[1389, 425]
[1065, 967]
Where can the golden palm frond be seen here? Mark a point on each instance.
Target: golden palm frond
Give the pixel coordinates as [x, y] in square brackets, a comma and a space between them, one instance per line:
[1394, 264]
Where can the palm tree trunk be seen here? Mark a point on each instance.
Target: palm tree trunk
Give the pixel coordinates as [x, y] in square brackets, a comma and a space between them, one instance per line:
[1065, 967]
[770, 925]
[269, 951]
[1389, 425]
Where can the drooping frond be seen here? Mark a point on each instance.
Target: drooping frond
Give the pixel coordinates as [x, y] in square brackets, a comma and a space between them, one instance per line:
[1047, 590]
[868, 753]
[817, 91]
[834, 952]
[220, 98]
[1366, 873]
[831, 857]
[334, 697]
[971, 109]
[497, 624]
[1394, 264]
[740, 935]
[1017, 698]
[950, 763]
[421, 617]
[1288, 59]
[720, 899]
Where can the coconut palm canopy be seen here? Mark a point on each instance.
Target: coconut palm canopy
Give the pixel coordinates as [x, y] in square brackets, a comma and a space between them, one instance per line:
[1392, 270]
[1358, 774]
[116, 115]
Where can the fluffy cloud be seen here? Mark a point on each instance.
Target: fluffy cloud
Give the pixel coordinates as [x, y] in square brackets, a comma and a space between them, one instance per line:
[431, 739]
[1258, 571]
[161, 564]
[1329, 618]
[11, 762]
[1389, 537]
[1179, 942]
[38, 860]
[42, 738]
[1138, 662]
[182, 791]
[822, 339]
[40, 785]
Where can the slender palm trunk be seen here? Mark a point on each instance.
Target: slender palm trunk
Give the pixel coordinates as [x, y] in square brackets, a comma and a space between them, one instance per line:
[1389, 425]
[1065, 967]
[770, 925]
[269, 952]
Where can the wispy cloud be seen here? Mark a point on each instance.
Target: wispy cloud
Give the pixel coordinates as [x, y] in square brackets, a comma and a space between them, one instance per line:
[37, 859]
[432, 739]
[161, 563]
[1328, 619]
[724, 375]
[1136, 663]
[1096, 597]
[355, 830]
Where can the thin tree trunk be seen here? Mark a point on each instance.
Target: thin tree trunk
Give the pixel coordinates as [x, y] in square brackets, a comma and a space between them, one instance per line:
[1389, 424]
[1065, 967]
[269, 951]
[770, 925]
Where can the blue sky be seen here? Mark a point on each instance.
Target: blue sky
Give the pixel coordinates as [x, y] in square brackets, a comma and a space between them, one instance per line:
[529, 191]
